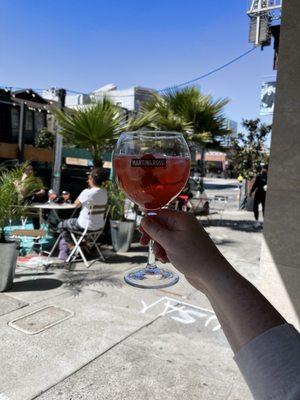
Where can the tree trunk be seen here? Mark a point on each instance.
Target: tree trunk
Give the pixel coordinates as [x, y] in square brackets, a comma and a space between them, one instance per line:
[2, 235]
[202, 169]
[97, 161]
[202, 164]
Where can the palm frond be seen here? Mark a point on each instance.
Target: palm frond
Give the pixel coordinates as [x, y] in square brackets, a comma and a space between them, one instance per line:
[187, 110]
[95, 127]
[144, 120]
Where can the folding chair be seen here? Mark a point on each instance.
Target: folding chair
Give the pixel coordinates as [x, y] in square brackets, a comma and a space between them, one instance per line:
[32, 234]
[90, 238]
[218, 206]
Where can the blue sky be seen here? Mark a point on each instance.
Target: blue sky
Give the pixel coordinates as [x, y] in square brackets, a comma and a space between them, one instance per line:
[83, 45]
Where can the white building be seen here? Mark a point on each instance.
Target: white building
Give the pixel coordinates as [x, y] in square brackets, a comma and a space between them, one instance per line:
[233, 127]
[72, 100]
[130, 99]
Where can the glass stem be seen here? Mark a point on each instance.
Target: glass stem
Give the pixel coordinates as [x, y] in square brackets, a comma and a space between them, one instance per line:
[151, 255]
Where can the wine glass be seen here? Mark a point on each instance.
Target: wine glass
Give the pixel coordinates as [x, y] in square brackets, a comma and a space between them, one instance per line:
[51, 196]
[151, 168]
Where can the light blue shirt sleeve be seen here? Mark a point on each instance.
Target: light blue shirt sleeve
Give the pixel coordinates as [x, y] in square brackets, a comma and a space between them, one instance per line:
[270, 364]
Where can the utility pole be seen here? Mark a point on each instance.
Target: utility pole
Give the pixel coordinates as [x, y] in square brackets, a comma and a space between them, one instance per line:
[56, 175]
[21, 133]
[261, 14]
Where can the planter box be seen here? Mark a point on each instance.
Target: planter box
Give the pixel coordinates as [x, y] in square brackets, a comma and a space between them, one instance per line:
[122, 234]
[8, 150]
[8, 256]
[31, 153]
[38, 154]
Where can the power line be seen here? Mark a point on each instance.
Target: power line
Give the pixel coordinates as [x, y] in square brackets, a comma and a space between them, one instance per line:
[209, 73]
[159, 90]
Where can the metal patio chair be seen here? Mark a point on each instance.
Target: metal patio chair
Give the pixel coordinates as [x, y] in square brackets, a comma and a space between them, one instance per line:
[90, 238]
[218, 206]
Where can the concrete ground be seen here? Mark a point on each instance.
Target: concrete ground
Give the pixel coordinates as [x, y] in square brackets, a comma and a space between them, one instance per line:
[119, 342]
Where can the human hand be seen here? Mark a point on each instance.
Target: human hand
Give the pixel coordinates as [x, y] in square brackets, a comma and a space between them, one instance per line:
[181, 239]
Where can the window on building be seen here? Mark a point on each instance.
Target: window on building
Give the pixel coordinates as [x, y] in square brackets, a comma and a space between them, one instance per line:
[39, 120]
[15, 120]
[28, 120]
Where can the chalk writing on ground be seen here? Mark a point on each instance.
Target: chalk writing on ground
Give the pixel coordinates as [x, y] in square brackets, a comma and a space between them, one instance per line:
[182, 312]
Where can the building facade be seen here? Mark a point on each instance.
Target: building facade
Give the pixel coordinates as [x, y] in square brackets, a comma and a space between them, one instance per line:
[232, 126]
[128, 99]
[131, 98]
[35, 115]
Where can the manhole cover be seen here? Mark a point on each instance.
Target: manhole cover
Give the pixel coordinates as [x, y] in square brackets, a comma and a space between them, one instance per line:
[9, 304]
[39, 320]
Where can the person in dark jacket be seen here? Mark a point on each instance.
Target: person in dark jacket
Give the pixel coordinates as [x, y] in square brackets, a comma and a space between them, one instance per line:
[260, 188]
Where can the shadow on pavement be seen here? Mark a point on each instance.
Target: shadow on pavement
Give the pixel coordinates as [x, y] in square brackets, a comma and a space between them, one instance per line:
[219, 186]
[36, 285]
[76, 281]
[243, 225]
[120, 258]
[138, 249]
[21, 275]
[224, 242]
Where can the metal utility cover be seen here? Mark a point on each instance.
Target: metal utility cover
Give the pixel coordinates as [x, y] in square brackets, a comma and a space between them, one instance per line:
[41, 319]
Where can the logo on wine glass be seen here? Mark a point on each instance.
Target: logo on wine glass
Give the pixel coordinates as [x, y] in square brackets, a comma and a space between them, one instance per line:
[148, 162]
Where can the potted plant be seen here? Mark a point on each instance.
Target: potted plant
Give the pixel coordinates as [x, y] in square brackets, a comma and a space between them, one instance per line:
[121, 229]
[9, 211]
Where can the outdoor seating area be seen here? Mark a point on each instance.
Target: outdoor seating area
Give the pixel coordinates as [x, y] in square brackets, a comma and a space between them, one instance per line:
[149, 200]
[44, 241]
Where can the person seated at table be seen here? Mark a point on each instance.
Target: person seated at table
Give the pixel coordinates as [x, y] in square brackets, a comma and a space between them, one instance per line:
[31, 189]
[93, 196]
[184, 197]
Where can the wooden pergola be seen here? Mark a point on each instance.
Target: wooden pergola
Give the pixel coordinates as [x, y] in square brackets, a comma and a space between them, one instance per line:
[26, 100]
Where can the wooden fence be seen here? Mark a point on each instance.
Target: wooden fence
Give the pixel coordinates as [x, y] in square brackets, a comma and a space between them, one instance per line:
[31, 153]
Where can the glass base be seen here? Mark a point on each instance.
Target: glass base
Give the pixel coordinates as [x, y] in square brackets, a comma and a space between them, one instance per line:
[151, 277]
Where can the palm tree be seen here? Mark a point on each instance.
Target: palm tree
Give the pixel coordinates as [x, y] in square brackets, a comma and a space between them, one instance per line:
[96, 127]
[200, 118]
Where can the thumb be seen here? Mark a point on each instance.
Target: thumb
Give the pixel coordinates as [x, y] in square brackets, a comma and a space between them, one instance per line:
[155, 230]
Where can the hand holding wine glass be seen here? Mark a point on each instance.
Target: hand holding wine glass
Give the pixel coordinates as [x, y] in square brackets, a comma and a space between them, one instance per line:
[151, 168]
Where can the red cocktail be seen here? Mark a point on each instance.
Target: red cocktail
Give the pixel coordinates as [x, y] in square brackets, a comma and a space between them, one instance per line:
[150, 180]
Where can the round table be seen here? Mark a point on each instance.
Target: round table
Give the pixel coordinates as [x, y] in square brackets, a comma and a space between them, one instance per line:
[53, 207]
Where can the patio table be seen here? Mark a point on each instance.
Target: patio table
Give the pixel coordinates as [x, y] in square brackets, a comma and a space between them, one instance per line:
[55, 207]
